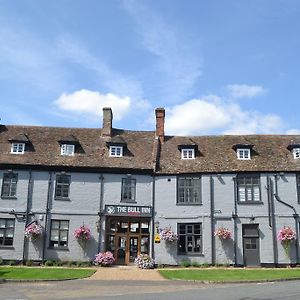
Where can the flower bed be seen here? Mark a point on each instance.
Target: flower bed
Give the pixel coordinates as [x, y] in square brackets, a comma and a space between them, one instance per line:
[83, 233]
[167, 234]
[33, 231]
[223, 233]
[144, 261]
[104, 259]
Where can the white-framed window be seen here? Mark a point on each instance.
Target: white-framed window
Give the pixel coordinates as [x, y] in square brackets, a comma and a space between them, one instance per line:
[116, 151]
[243, 154]
[17, 148]
[296, 153]
[67, 149]
[187, 153]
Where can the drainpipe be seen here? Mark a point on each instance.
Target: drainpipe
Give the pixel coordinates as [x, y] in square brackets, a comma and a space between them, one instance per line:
[272, 223]
[235, 217]
[295, 216]
[212, 221]
[49, 196]
[153, 215]
[29, 194]
[101, 177]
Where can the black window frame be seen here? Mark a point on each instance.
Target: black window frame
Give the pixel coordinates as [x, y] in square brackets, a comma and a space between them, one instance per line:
[185, 193]
[248, 186]
[127, 189]
[11, 185]
[51, 242]
[5, 229]
[188, 236]
[62, 187]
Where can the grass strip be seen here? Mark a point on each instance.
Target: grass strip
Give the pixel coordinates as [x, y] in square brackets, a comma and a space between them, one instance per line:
[24, 273]
[228, 275]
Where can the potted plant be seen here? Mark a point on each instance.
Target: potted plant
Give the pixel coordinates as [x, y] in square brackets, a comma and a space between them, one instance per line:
[168, 235]
[144, 261]
[33, 231]
[286, 235]
[104, 259]
[223, 233]
[82, 234]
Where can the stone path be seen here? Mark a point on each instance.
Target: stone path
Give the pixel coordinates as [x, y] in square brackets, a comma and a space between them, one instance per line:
[126, 273]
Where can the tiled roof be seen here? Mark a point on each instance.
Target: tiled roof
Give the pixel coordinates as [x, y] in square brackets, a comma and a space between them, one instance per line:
[216, 154]
[44, 149]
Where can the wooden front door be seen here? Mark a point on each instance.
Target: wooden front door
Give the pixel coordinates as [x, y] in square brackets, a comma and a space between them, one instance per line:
[127, 238]
[251, 245]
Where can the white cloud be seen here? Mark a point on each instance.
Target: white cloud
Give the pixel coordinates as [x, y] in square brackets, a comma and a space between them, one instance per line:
[244, 90]
[212, 114]
[91, 103]
[293, 131]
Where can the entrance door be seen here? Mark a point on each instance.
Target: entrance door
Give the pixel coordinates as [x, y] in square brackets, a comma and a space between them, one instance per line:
[120, 252]
[251, 245]
[127, 238]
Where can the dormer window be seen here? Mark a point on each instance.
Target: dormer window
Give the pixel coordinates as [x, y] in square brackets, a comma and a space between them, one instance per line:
[295, 149]
[296, 153]
[187, 153]
[17, 148]
[243, 154]
[116, 151]
[67, 149]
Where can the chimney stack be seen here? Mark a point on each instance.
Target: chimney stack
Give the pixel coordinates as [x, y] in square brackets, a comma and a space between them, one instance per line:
[107, 122]
[160, 124]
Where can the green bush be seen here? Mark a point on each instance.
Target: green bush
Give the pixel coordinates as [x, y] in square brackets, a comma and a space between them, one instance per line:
[185, 264]
[1, 260]
[12, 262]
[49, 263]
[195, 264]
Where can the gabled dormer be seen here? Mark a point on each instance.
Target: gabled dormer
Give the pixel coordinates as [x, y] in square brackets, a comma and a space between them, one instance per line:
[68, 145]
[116, 146]
[243, 151]
[295, 149]
[188, 149]
[18, 143]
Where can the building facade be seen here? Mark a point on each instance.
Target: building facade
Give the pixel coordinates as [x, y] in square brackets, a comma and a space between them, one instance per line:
[127, 186]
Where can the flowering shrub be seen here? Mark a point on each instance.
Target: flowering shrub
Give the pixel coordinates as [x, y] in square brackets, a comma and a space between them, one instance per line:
[33, 231]
[223, 233]
[82, 233]
[144, 261]
[104, 259]
[286, 234]
[168, 235]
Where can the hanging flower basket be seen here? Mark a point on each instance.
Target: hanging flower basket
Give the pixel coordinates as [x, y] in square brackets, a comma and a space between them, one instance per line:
[223, 233]
[167, 234]
[83, 233]
[33, 231]
[104, 259]
[144, 261]
[286, 235]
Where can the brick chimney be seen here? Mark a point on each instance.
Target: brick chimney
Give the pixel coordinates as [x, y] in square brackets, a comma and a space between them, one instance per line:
[160, 124]
[107, 122]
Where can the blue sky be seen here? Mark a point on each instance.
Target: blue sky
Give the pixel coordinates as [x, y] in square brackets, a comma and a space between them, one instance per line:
[218, 67]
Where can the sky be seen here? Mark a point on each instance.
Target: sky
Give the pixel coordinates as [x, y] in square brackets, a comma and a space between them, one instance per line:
[217, 67]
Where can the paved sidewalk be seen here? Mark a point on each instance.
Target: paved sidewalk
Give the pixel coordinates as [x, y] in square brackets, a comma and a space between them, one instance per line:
[126, 273]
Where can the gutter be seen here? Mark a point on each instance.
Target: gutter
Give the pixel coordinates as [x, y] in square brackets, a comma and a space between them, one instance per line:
[295, 216]
[101, 177]
[235, 217]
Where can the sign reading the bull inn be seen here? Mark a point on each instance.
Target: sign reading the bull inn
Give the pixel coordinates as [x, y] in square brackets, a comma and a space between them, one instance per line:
[122, 210]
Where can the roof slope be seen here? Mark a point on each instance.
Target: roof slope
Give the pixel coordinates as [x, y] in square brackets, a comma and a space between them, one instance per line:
[215, 154]
[92, 151]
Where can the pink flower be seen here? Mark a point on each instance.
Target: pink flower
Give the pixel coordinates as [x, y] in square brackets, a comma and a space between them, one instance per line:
[104, 259]
[223, 233]
[286, 234]
[167, 234]
[82, 233]
[33, 230]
